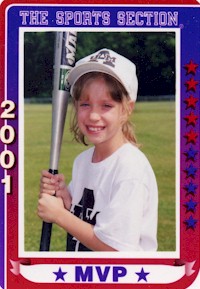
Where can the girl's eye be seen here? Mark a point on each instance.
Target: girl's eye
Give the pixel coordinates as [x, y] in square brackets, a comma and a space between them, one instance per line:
[84, 104]
[107, 105]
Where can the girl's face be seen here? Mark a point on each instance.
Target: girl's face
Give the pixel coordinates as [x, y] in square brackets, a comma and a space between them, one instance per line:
[99, 117]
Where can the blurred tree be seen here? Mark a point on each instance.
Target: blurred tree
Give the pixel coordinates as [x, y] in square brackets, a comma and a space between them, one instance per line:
[38, 63]
[152, 52]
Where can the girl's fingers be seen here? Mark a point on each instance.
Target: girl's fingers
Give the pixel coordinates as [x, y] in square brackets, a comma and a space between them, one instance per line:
[49, 192]
[44, 186]
[49, 184]
[54, 178]
[46, 174]
[48, 180]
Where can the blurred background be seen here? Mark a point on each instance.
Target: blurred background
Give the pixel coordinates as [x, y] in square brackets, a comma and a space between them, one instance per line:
[152, 52]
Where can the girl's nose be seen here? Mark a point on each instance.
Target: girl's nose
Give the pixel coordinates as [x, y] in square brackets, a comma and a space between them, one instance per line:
[94, 115]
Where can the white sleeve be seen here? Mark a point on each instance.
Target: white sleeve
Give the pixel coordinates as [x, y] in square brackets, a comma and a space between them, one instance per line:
[119, 223]
[69, 187]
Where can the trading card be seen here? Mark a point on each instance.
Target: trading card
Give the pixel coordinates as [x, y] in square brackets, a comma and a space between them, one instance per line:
[100, 139]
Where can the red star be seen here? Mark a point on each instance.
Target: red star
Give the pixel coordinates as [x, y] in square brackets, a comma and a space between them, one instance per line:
[191, 67]
[191, 84]
[191, 119]
[191, 102]
[191, 136]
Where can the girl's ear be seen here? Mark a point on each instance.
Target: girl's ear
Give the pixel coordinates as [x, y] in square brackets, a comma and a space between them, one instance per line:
[127, 110]
[131, 106]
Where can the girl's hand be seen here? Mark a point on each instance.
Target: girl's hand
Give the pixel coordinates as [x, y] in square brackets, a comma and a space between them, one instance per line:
[49, 208]
[55, 185]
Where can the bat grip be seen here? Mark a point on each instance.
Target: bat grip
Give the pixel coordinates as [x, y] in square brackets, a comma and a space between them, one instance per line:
[46, 229]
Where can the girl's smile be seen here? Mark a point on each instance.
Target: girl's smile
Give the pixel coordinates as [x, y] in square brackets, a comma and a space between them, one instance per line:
[95, 129]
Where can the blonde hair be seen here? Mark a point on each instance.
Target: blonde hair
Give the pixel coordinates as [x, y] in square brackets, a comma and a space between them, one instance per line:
[118, 94]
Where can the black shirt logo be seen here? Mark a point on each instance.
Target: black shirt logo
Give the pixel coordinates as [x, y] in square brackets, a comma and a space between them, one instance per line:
[83, 211]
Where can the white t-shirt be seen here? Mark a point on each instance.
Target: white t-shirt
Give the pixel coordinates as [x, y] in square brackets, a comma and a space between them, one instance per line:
[119, 197]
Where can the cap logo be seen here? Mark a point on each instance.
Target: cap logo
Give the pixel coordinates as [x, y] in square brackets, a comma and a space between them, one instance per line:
[105, 56]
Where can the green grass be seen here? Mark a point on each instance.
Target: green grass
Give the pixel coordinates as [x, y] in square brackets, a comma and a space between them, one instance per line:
[155, 130]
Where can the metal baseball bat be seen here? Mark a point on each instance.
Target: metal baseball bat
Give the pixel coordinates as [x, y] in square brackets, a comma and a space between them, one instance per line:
[64, 59]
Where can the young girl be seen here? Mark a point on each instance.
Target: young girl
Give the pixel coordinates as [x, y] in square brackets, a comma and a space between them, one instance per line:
[111, 202]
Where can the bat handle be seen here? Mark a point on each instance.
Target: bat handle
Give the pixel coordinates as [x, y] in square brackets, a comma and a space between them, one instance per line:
[45, 236]
[46, 229]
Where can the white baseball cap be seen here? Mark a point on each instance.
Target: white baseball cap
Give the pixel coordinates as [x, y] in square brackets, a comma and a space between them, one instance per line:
[109, 62]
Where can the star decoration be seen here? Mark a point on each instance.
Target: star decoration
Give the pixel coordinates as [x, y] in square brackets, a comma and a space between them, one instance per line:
[191, 67]
[191, 171]
[60, 274]
[191, 136]
[190, 188]
[191, 84]
[190, 223]
[190, 206]
[191, 102]
[191, 118]
[142, 275]
[191, 154]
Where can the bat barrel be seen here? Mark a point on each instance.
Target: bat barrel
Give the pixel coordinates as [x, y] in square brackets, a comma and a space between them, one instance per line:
[65, 45]
[59, 112]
